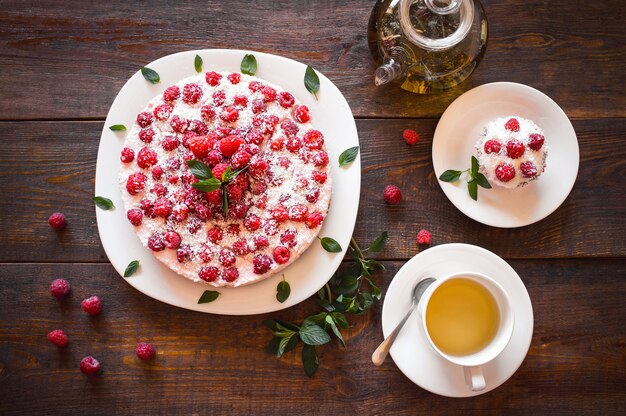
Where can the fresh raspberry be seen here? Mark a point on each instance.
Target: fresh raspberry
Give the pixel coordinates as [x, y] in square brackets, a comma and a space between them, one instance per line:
[183, 253]
[289, 237]
[156, 242]
[512, 124]
[214, 157]
[265, 122]
[410, 137]
[170, 143]
[238, 210]
[298, 212]
[57, 221]
[536, 141]
[234, 192]
[260, 242]
[492, 146]
[234, 78]
[280, 214]
[229, 114]
[230, 275]
[127, 155]
[162, 112]
[192, 93]
[258, 106]
[60, 288]
[200, 146]
[229, 145]
[281, 255]
[171, 94]
[214, 197]
[209, 273]
[58, 338]
[301, 183]
[146, 158]
[180, 212]
[146, 135]
[241, 247]
[144, 119]
[207, 112]
[313, 139]
[313, 219]
[92, 305]
[205, 253]
[285, 99]
[135, 183]
[202, 211]
[145, 351]
[162, 207]
[215, 234]
[261, 263]
[319, 177]
[253, 136]
[293, 145]
[213, 78]
[301, 114]
[173, 179]
[89, 366]
[529, 170]
[392, 195]
[252, 222]
[423, 237]
[514, 149]
[172, 239]
[289, 127]
[240, 159]
[219, 170]
[255, 86]
[157, 172]
[172, 163]
[135, 216]
[261, 201]
[277, 144]
[193, 225]
[233, 229]
[198, 127]
[320, 158]
[312, 195]
[179, 125]
[269, 94]
[147, 206]
[226, 257]
[219, 98]
[505, 172]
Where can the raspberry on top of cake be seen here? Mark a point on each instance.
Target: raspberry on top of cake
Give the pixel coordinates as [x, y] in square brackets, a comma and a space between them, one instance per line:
[260, 220]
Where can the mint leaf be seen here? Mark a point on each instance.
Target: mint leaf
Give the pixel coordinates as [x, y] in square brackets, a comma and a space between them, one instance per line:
[472, 188]
[336, 331]
[248, 64]
[474, 168]
[482, 181]
[207, 185]
[208, 296]
[313, 334]
[348, 156]
[311, 81]
[131, 268]
[103, 203]
[379, 243]
[150, 75]
[197, 63]
[348, 285]
[340, 319]
[199, 170]
[330, 245]
[117, 127]
[282, 290]
[450, 175]
[309, 360]
[272, 347]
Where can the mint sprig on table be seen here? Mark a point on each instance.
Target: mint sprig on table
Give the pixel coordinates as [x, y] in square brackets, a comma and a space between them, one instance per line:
[207, 182]
[475, 178]
[352, 292]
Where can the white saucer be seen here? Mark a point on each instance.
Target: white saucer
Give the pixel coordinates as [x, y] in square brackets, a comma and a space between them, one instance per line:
[411, 351]
[458, 131]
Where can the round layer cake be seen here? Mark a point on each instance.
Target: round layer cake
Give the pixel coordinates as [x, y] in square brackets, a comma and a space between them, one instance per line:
[511, 151]
[225, 178]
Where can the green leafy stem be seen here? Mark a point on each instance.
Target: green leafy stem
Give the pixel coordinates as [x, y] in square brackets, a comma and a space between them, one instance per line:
[475, 178]
[207, 182]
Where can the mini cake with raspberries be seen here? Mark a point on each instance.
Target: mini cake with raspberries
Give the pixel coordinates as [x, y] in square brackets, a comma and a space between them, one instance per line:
[225, 178]
[511, 151]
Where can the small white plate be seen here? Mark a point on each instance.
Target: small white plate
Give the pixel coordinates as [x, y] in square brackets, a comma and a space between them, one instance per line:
[411, 351]
[459, 129]
[330, 114]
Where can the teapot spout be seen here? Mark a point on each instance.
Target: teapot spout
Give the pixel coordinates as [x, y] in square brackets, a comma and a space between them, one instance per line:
[387, 72]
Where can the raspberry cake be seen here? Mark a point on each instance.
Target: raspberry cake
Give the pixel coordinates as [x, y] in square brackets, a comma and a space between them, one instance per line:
[511, 151]
[269, 163]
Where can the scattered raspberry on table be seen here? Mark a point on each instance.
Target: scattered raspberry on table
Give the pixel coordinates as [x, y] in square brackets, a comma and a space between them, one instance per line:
[58, 338]
[60, 288]
[145, 351]
[410, 137]
[92, 305]
[392, 195]
[57, 221]
[423, 237]
[89, 366]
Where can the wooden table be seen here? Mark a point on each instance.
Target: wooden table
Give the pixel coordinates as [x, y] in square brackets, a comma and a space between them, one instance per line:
[63, 63]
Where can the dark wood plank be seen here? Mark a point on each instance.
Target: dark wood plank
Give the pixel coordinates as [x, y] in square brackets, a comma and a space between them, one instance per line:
[40, 172]
[81, 53]
[217, 364]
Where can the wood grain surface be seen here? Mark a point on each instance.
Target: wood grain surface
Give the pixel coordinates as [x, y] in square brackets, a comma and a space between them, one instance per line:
[64, 61]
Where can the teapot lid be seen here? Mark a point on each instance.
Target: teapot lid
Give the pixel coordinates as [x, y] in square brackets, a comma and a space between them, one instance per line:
[436, 24]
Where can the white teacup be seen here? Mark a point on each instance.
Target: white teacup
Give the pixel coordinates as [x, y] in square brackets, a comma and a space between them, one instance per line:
[472, 363]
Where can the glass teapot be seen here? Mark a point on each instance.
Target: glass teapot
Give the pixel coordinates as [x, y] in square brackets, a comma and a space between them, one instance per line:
[427, 45]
